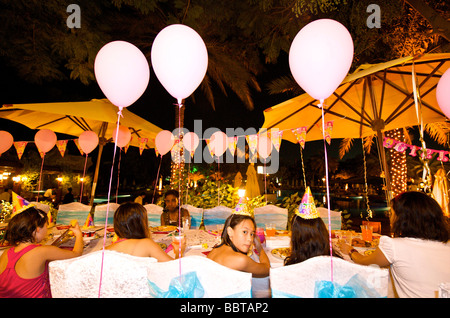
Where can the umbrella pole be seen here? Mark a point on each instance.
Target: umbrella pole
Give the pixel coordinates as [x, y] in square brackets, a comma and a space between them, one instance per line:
[97, 165]
[384, 165]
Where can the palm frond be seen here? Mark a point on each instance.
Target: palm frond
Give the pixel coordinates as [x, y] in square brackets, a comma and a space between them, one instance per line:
[439, 132]
[345, 146]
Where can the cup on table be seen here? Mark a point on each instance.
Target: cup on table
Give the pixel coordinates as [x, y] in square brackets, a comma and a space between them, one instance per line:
[366, 231]
[185, 223]
[177, 240]
[260, 233]
[270, 229]
[345, 236]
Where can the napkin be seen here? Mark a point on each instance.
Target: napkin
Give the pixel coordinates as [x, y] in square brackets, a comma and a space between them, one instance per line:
[278, 241]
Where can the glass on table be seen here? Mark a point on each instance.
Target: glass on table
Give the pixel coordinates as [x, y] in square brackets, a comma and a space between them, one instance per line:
[270, 229]
[345, 236]
[366, 231]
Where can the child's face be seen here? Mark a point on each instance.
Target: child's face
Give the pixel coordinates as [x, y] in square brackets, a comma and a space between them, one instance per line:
[242, 235]
[171, 202]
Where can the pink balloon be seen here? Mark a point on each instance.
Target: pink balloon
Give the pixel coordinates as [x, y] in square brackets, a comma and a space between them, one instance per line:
[190, 141]
[122, 72]
[179, 59]
[264, 147]
[123, 137]
[320, 57]
[6, 141]
[164, 141]
[218, 143]
[443, 93]
[88, 141]
[45, 140]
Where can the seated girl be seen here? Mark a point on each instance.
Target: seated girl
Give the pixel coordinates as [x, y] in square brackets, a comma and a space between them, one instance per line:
[238, 238]
[131, 227]
[24, 266]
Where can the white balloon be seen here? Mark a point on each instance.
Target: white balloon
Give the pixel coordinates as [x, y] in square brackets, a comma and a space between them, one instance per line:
[179, 59]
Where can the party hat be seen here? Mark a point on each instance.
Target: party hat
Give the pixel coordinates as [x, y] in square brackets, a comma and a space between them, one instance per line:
[89, 222]
[19, 204]
[50, 218]
[241, 208]
[307, 208]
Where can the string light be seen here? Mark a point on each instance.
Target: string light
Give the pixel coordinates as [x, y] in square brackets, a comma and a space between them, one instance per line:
[398, 168]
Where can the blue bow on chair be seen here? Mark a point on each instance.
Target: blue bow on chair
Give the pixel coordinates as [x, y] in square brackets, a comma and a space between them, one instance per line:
[354, 288]
[184, 286]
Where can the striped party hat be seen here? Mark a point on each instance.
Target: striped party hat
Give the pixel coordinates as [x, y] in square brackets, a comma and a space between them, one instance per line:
[307, 208]
[19, 203]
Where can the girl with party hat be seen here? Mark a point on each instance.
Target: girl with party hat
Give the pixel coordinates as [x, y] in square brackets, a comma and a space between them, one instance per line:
[24, 266]
[309, 234]
[238, 239]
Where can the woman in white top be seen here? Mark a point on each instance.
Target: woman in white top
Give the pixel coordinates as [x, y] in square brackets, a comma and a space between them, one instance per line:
[419, 253]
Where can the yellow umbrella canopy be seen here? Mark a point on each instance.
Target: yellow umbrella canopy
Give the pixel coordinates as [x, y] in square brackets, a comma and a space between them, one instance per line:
[373, 99]
[73, 118]
[376, 97]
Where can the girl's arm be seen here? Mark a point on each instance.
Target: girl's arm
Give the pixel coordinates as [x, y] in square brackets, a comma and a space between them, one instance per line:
[53, 253]
[377, 257]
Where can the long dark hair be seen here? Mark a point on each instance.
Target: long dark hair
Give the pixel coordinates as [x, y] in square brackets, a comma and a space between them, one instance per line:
[131, 221]
[309, 239]
[418, 215]
[22, 226]
[232, 221]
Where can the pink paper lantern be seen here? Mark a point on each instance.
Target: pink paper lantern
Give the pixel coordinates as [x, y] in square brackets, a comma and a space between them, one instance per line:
[6, 141]
[320, 57]
[264, 147]
[45, 140]
[190, 141]
[88, 141]
[123, 137]
[218, 143]
[164, 141]
[443, 93]
[179, 59]
[122, 72]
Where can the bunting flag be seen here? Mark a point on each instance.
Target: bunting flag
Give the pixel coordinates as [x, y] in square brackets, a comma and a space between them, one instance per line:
[232, 141]
[425, 153]
[62, 144]
[275, 136]
[211, 152]
[328, 130]
[19, 203]
[20, 147]
[142, 144]
[78, 146]
[252, 141]
[300, 135]
[125, 149]
[51, 221]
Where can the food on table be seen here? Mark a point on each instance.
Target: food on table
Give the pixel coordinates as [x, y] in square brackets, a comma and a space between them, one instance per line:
[164, 228]
[282, 233]
[281, 252]
[358, 242]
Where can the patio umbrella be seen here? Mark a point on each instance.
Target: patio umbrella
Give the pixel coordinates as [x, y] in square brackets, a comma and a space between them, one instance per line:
[373, 99]
[73, 118]
[252, 187]
[440, 190]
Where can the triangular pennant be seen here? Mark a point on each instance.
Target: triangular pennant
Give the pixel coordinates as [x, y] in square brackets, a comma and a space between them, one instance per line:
[142, 143]
[328, 130]
[20, 147]
[300, 135]
[125, 149]
[275, 136]
[252, 141]
[78, 146]
[61, 144]
[232, 144]
[211, 152]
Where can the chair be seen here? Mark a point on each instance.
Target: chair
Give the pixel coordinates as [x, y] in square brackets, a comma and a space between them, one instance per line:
[73, 210]
[216, 280]
[41, 206]
[196, 215]
[216, 216]
[100, 213]
[154, 214]
[123, 276]
[336, 219]
[298, 280]
[271, 214]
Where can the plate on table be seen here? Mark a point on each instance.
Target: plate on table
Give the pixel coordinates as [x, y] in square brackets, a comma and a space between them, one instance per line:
[281, 252]
[282, 233]
[163, 229]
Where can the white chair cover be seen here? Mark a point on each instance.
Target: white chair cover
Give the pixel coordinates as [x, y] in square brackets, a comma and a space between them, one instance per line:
[123, 276]
[100, 213]
[73, 210]
[196, 215]
[298, 280]
[217, 281]
[41, 206]
[336, 222]
[154, 214]
[271, 214]
[216, 216]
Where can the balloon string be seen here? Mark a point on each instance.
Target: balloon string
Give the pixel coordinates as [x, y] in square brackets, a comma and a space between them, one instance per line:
[82, 182]
[40, 175]
[179, 184]
[118, 174]
[107, 207]
[156, 181]
[328, 189]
